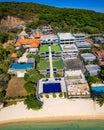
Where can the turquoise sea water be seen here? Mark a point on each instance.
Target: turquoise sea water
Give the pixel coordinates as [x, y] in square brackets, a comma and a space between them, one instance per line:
[63, 125]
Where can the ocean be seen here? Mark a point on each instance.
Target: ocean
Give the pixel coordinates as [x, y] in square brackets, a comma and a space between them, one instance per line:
[62, 125]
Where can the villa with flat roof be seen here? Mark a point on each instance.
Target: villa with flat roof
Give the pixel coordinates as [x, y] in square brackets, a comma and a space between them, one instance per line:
[51, 85]
[88, 57]
[79, 37]
[49, 39]
[76, 83]
[55, 50]
[93, 69]
[83, 45]
[69, 51]
[65, 38]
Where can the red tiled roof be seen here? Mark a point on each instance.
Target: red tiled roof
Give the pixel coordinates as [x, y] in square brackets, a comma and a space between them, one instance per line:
[32, 42]
[14, 55]
[37, 35]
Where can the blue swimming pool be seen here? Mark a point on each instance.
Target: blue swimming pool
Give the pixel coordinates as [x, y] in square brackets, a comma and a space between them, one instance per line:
[51, 87]
[21, 66]
[98, 90]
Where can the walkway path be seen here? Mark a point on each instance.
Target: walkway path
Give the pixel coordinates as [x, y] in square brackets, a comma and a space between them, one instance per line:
[51, 66]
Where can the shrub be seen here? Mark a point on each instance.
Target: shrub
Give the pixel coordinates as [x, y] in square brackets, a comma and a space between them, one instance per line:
[41, 96]
[64, 95]
[9, 103]
[32, 103]
[54, 95]
[61, 94]
[47, 96]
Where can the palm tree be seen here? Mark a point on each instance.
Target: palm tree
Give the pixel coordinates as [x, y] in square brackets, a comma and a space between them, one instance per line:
[100, 100]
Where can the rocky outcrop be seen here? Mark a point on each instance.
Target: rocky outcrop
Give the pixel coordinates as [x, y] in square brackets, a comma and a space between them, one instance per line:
[10, 21]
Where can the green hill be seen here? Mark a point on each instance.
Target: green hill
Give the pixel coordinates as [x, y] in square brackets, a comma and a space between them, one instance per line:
[61, 19]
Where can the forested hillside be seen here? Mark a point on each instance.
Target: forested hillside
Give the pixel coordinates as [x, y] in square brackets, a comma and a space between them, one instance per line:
[61, 19]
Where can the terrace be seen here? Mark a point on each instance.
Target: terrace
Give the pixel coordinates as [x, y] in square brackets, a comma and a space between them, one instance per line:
[43, 49]
[76, 84]
[74, 64]
[56, 48]
[44, 64]
[58, 64]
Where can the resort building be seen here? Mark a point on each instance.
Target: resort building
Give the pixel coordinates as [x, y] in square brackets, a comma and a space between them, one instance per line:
[69, 51]
[65, 38]
[100, 56]
[88, 57]
[74, 64]
[76, 83]
[55, 51]
[49, 39]
[83, 45]
[27, 43]
[93, 69]
[50, 86]
[79, 37]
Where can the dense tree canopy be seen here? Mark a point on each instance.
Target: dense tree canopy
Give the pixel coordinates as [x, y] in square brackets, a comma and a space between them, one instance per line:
[32, 103]
[32, 76]
[100, 100]
[30, 87]
[61, 19]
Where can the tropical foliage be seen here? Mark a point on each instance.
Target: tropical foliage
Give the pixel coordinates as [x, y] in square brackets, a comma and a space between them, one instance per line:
[30, 87]
[100, 100]
[32, 76]
[61, 19]
[32, 103]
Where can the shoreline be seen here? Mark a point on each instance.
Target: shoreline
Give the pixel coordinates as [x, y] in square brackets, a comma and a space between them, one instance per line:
[65, 110]
[53, 119]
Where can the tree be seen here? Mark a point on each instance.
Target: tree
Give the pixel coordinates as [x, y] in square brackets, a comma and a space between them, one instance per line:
[32, 76]
[32, 103]
[100, 100]
[102, 74]
[1, 96]
[30, 87]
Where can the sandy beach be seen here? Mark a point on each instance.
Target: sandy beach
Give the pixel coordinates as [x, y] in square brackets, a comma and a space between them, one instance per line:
[54, 109]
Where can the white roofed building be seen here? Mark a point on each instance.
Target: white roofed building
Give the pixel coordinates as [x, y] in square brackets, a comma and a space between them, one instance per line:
[49, 39]
[69, 51]
[66, 38]
[79, 37]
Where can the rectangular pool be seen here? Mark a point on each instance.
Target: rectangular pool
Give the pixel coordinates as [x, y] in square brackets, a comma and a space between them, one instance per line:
[98, 90]
[51, 87]
[21, 66]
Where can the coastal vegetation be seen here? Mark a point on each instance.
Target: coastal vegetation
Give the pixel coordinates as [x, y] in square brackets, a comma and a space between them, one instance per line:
[75, 20]
[100, 100]
[32, 102]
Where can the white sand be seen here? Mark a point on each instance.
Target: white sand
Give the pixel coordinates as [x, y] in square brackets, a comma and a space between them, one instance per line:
[54, 108]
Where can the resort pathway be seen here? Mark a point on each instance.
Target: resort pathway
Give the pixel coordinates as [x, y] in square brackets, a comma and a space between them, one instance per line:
[51, 65]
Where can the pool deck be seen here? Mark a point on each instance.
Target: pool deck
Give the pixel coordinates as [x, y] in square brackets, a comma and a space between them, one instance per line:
[97, 85]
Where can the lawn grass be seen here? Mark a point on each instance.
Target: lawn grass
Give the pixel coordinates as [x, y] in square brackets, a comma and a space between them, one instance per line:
[58, 64]
[44, 64]
[55, 48]
[15, 87]
[44, 49]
